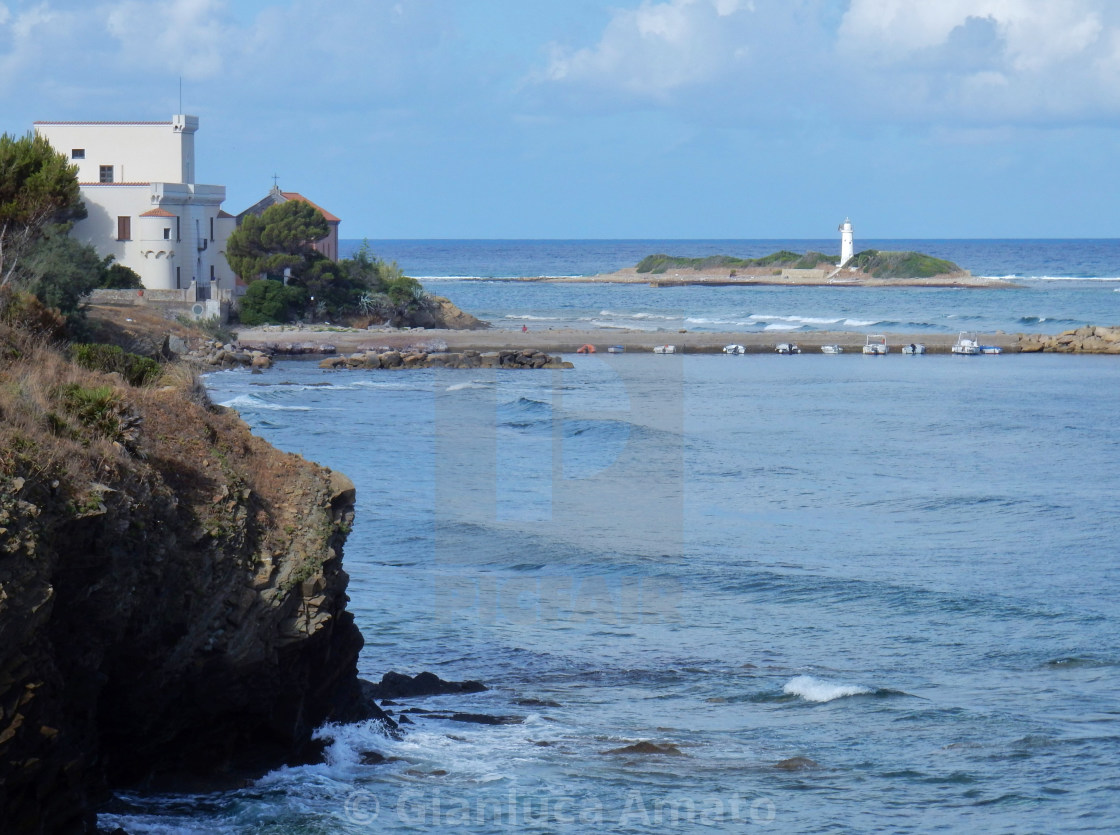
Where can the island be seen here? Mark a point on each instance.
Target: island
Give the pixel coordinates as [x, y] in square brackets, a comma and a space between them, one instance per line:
[868, 268]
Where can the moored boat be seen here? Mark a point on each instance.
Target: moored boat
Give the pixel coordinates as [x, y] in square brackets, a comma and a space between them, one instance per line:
[585, 349]
[914, 348]
[665, 349]
[831, 349]
[616, 349]
[876, 344]
[787, 348]
[734, 349]
[966, 345]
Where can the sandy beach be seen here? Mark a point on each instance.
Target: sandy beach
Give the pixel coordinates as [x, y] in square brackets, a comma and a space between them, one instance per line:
[563, 341]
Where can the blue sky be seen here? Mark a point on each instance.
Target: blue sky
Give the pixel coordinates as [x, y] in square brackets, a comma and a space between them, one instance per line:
[612, 118]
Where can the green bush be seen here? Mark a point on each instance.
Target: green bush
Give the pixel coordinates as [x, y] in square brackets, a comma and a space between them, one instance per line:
[97, 356]
[270, 302]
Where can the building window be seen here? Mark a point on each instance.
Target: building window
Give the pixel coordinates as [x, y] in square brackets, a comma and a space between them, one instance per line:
[167, 233]
[211, 229]
[212, 272]
[106, 173]
[78, 153]
[178, 230]
[178, 285]
[124, 228]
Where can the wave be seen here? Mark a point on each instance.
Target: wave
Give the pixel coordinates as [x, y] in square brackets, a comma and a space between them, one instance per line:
[619, 326]
[663, 316]
[530, 318]
[473, 384]
[819, 690]
[249, 402]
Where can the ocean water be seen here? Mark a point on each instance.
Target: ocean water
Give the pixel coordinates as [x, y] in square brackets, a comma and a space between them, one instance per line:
[1059, 285]
[902, 569]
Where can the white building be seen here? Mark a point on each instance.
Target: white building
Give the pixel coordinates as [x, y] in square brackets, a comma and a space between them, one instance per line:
[138, 184]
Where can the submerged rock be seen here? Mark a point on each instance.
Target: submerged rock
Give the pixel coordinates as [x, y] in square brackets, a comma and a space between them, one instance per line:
[796, 764]
[648, 748]
[396, 685]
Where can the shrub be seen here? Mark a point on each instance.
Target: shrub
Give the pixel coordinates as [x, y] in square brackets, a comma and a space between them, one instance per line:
[97, 356]
[269, 302]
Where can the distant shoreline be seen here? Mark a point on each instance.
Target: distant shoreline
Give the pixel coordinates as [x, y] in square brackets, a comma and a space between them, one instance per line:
[722, 278]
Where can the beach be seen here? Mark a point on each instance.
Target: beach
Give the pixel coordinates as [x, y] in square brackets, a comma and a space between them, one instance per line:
[569, 340]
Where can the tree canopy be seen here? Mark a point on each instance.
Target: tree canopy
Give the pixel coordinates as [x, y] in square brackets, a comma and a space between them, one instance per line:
[282, 238]
[38, 186]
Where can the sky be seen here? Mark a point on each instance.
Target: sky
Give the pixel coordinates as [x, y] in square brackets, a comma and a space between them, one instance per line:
[611, 118]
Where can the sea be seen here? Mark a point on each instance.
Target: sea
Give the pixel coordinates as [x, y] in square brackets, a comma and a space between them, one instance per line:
[718, 593]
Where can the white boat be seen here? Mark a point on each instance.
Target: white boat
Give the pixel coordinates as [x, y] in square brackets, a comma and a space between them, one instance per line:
[876, 344]
[616, 349]
[914, 348]
[665, 349]
[831, 349]
[966, 346]
[787, 348]
[734, 349]
[991, 349]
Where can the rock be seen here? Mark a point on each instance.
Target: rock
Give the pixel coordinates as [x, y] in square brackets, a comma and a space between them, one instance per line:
[647, 748]
[332, 362]
[397, 686]
[536, 703]
[261, 361]
[796, 764]
[342, 489]
[391, 359]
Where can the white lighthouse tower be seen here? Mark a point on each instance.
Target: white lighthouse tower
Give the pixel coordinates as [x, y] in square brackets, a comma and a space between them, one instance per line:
[847, 247]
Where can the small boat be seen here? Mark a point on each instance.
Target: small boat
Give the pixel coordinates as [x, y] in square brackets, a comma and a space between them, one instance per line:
[831, 349]
[966, 346]
[616, 349]
[876, 344]
[914, 348]
[585, 349]
[734, 349]
[787, 348]
[991, 349]
[665, 349]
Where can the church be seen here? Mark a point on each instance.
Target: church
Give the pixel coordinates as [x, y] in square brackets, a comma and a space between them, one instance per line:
[328, 246]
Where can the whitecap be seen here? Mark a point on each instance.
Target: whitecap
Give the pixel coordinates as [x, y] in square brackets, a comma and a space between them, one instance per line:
[860, 323]
[248, 402]
[782, 326]
[819, 690]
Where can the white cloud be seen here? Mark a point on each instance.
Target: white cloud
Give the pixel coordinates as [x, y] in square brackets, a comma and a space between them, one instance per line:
[189, 37]
[657, 48]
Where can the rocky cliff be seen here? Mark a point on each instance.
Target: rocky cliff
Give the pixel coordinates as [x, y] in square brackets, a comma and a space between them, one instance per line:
[172, 598]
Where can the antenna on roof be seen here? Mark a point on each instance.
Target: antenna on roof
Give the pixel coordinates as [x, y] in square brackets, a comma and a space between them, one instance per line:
[180, 94]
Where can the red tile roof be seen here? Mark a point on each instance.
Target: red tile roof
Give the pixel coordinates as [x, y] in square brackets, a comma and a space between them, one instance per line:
[158, 213]
[224, 214]
[295, 195]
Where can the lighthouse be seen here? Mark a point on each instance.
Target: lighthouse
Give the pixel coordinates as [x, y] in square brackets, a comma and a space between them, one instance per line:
[847, 249]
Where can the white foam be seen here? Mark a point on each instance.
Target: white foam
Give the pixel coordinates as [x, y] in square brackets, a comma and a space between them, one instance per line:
[782, 326]
[860, 323]
[530, 318]
[247, 401]
[470, 385]
[818, 690]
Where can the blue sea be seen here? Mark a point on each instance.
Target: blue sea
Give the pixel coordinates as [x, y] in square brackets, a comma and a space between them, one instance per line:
[1058, 285]
[837, 593]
